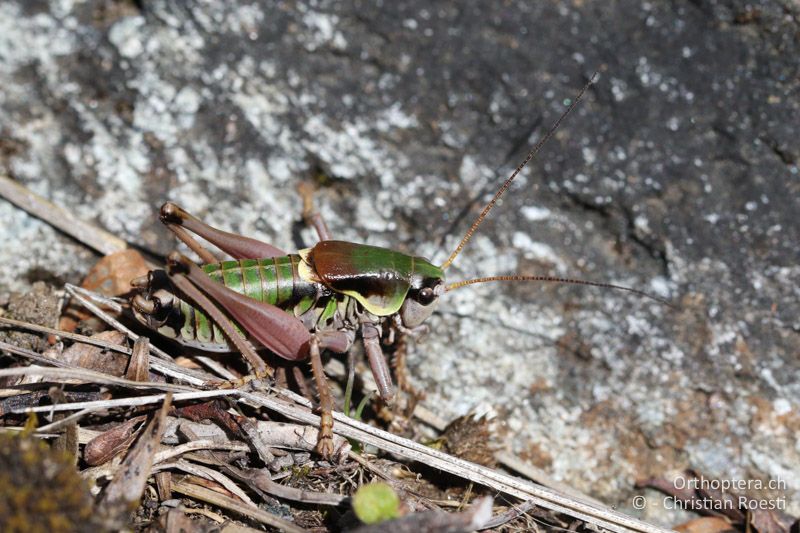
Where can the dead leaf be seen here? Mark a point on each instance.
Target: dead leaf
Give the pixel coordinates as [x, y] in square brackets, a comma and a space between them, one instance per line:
[123, 493]
[96, 357]
[139, 366]
[109, 444]
[111, 276]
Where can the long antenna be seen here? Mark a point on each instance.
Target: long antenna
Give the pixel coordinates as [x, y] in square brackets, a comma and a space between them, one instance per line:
[459, 284]
[507, 183]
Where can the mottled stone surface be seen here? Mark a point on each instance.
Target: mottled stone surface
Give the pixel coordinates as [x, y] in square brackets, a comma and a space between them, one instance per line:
[677, 174]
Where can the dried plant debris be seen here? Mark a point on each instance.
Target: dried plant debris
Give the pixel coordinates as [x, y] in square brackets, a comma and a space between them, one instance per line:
[39, 306]
[470, 437]
[110, 277]
[707, 524]
[107, 445]
[125, 490]
[730, 511]
[150, 434]
[96, 357]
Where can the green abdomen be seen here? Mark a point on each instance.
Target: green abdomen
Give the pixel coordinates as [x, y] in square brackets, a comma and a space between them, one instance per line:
[275, 281]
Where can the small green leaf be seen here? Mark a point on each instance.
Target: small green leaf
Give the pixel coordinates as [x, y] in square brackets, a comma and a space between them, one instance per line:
[362, 404]
[376, 503]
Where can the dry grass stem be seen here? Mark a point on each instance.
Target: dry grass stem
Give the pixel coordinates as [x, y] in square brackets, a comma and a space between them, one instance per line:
[210, 474]
[512, 462]
[123, 402]
[33, 356]
[226, 502]
[60, 218]
[67, 335]
[91, 376]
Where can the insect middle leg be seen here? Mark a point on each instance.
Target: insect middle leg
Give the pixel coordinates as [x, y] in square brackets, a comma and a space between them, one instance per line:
[401, 369]
[310, 214]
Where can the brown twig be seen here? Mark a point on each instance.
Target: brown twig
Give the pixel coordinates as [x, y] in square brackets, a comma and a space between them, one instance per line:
[92, 376]
[66, 334]
[60, 218]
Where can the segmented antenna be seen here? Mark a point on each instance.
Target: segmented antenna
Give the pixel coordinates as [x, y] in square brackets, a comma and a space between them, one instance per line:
[459, 284]
[507, 183]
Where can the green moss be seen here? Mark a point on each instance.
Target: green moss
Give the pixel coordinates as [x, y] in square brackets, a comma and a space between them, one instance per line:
[301, 472]
[40, 489]
[376, 503]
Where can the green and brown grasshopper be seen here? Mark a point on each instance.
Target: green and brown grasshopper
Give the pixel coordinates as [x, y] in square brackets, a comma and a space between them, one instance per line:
[297, 305]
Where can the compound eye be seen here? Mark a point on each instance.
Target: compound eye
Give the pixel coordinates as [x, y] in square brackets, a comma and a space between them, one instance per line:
[425, 296]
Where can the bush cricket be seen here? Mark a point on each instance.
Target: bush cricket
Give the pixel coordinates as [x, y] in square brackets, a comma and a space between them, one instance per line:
[297, 305]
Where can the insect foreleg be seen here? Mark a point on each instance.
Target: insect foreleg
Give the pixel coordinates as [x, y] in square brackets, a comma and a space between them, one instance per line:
[310, 214]
[415, 333]
[371, 336]
[400, 368]
[237, 246]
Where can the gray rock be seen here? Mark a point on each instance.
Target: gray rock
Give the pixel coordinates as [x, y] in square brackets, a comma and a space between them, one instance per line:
[678, 174]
